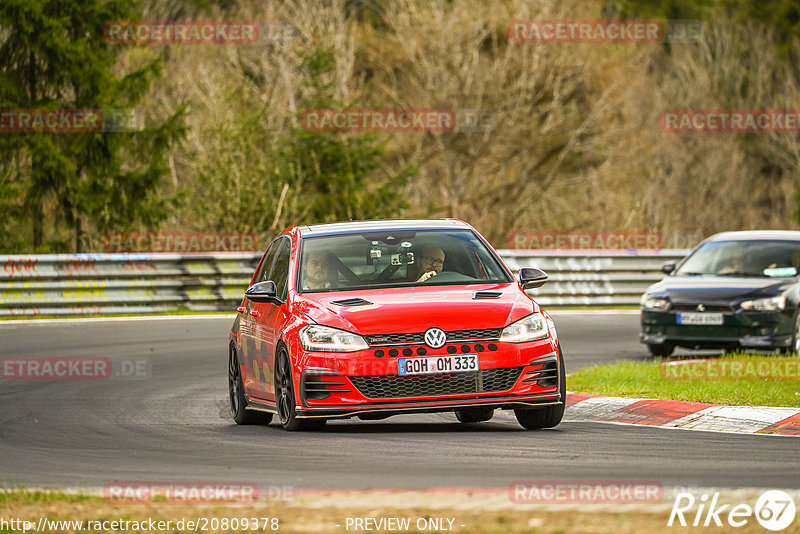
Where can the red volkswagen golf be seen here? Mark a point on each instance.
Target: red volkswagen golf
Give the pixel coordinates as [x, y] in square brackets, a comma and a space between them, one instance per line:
[374, 319]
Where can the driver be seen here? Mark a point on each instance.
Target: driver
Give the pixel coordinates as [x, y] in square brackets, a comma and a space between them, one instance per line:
[736, 263]
[431, 261]
[316, 273]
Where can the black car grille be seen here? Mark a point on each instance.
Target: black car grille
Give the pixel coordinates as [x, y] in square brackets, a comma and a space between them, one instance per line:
[706, 308]
[489, 334]
[392, 386]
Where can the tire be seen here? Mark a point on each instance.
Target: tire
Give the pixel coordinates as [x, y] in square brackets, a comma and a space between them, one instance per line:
[546, 416]
[285, 399]
[794, 347]
[474, 415]
[660, 349]
[237, 399]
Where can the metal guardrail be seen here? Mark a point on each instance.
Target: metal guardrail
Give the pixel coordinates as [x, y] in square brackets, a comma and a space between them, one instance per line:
[593, 278]
[70, 284]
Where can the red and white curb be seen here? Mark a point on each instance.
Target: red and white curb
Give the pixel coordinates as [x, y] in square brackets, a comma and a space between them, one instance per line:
[683, 414]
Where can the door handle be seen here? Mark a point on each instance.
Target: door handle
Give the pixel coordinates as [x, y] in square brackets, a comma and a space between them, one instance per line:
[255, 313]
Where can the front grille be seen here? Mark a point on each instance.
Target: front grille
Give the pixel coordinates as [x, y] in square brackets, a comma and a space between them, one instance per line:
[693, 308]
[392, 386]
[486, 333]
[391, 339]
[489, 334]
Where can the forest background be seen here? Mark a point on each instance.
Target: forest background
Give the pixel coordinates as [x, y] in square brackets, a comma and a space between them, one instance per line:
[568, 135]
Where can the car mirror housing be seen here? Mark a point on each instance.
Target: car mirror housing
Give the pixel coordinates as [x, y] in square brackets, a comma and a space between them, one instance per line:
[531, 277]
[262, 292]
[668, 267]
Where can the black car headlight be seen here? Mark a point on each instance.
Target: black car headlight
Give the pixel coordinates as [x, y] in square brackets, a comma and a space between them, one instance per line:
[766, 304]
[321, 338]
[528, 328]
[654, 302]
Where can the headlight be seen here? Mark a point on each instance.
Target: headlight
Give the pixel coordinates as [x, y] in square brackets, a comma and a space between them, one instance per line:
[652, 302]
[326, 339]
[529, 328]
[768, 304]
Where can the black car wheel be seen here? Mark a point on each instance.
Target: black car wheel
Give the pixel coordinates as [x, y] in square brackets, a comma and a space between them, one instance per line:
[794, 347]
[660, 349]
[285, 399]
[547, 416]
[474, 415]
[238, 401]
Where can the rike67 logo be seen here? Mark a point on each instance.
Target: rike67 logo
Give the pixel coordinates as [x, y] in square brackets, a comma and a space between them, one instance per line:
[774, 510]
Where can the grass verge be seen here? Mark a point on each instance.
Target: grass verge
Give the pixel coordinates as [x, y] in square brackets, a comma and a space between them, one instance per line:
[652, 380]
[461, 512]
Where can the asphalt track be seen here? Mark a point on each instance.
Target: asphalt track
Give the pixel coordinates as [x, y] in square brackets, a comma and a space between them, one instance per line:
[173, 425]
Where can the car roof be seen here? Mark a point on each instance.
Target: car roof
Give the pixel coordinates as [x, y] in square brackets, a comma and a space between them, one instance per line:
[749, 235]
[371, 226]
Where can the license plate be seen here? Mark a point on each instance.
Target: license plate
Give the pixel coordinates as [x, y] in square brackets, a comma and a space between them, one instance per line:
[437, 364]
[700, 318]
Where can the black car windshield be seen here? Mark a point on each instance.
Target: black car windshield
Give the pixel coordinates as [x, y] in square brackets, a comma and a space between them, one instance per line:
[368, 260]
[761, 258]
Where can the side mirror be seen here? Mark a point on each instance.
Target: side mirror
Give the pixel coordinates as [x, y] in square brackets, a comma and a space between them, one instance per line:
[668, 267]
[262, 292]
[531, 277]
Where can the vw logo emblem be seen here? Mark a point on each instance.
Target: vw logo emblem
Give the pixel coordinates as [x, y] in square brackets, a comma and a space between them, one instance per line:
[435, 338]
[701, 308]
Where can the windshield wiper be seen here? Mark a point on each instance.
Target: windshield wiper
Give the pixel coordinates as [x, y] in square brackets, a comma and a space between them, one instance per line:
[692, 274]
[742, 274]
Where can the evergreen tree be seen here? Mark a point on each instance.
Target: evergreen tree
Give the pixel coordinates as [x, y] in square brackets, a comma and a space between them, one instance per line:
[336, 167]
[53, 54]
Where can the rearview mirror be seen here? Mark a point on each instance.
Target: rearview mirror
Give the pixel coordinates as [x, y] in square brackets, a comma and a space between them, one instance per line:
[531, 277]
[668, 267]
[262, 292]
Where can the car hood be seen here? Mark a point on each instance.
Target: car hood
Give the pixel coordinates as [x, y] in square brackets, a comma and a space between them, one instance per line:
[717, 288]
[415, 309]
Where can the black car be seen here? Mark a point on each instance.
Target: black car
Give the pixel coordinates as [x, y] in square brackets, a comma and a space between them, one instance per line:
[736, 290]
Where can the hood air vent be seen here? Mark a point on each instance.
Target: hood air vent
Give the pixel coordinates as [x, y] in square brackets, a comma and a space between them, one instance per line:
[351, 302]
[487, 295]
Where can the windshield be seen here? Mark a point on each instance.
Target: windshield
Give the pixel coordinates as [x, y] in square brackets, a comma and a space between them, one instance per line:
[774, 259]
[396, 258]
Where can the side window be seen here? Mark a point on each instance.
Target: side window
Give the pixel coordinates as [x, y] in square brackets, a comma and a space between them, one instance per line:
[280, 273]
[266, 266]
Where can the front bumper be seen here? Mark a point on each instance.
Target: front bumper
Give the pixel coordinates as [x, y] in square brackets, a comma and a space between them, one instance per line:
[344, 385]
[752, 329]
